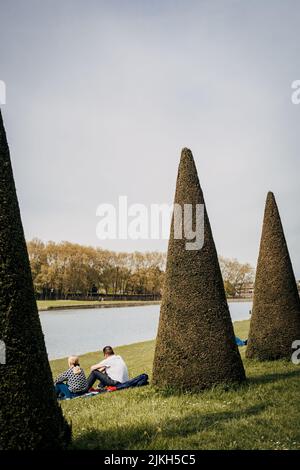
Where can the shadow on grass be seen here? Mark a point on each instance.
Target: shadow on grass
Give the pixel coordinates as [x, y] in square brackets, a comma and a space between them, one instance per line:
[218, 388]
[143, 434]
[271, 378]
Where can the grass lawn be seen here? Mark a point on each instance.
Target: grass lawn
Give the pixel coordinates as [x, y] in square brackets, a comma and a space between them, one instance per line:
[52, 304]
[262, 414]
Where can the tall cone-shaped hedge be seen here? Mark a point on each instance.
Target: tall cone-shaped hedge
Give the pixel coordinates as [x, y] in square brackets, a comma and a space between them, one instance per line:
[195, 347]
[275, 319]
[30, 417]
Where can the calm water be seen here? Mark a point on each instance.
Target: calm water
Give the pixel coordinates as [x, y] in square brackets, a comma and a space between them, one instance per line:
[80, 331]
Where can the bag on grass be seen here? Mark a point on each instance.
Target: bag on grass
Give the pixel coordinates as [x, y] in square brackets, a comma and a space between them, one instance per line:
[138, 381]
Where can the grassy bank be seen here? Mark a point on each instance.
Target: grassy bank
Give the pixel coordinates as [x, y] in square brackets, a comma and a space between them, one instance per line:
[61, 304]
[262, 414]
[65, 304]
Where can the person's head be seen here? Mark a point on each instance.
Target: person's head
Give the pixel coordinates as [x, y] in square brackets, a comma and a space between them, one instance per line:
[108, 351]
[73, 361]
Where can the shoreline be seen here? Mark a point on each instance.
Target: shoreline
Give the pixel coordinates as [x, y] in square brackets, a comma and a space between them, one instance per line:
[116, 304]
[120, 304]
[242, 324]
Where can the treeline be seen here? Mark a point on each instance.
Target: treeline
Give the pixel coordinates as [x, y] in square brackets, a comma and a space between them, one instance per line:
[64, 269]
[67, 269]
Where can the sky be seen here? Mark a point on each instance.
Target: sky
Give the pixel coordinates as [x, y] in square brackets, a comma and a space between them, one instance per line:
[102, 96]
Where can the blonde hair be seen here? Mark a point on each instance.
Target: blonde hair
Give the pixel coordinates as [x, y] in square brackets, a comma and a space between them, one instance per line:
[73, 361]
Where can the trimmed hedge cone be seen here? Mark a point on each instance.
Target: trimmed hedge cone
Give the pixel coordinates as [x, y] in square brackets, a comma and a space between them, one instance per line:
[195, 347]
[275, 319]
[30, 417]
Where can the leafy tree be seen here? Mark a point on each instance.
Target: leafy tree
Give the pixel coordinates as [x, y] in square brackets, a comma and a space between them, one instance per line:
[236, 275]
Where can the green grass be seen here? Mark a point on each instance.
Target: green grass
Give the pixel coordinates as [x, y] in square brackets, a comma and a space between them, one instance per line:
[262, 414]
[52, 304]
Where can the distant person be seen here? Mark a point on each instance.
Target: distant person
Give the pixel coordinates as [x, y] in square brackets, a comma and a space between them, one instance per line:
[110, 372]
[72, 382]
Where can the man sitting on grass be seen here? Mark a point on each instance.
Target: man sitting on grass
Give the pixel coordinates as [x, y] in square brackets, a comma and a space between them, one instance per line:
[111, 371]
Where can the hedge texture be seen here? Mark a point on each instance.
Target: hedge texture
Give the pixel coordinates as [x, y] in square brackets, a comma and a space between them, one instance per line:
[30, 417]
[275, 319]
[195, 346]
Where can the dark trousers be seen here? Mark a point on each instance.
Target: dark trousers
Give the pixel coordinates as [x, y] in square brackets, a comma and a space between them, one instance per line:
[102, 377]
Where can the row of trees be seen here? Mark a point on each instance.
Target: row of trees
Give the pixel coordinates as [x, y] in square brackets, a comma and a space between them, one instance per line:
[71, 268]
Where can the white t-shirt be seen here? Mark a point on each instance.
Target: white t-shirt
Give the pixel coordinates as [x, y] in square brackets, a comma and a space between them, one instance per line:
[116, 368]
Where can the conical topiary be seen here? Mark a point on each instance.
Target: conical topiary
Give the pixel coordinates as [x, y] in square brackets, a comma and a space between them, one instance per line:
[195, 347]
[30, 417]
[275, 319]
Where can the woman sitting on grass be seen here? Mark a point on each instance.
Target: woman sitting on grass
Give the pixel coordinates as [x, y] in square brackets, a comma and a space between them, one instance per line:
[76, 383]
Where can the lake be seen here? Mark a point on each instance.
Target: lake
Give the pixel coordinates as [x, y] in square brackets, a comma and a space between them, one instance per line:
[80, 331]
